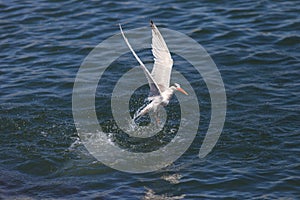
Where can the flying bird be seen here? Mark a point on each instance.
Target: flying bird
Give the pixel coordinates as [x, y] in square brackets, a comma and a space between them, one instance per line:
[159, 79]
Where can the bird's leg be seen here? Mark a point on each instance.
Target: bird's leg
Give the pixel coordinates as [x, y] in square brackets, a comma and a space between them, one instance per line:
[156, 118]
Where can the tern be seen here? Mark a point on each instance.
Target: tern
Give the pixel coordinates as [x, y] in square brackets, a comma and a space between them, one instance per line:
[159, 79]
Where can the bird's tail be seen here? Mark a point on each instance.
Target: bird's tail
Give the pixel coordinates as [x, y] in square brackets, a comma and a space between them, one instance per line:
[141, 111]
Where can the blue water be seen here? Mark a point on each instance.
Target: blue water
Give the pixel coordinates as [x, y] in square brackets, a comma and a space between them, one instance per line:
[255, 45]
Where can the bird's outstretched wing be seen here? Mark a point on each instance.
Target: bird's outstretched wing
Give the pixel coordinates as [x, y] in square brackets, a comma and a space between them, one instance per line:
[163, 62]
[154, 89]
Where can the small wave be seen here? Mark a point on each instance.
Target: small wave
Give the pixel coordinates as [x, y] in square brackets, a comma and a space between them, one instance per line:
[150, 195]
[289, 40]
[173, 179]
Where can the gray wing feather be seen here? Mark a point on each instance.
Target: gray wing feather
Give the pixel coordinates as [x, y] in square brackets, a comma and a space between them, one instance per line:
[154, 89]
[163, 61]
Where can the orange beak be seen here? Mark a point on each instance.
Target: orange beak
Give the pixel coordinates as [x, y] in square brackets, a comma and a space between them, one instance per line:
[182, 90]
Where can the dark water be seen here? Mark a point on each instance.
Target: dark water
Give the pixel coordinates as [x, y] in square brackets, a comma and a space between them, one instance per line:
[255, 45]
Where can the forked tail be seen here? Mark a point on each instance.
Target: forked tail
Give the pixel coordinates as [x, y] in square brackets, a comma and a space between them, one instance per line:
[142, 111]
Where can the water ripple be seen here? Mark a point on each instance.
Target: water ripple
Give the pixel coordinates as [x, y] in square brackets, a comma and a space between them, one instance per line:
[255, 46]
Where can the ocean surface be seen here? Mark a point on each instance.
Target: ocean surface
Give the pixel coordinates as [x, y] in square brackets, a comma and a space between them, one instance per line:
[254, 44]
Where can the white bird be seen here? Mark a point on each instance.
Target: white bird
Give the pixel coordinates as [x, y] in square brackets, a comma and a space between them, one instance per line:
[159, 79]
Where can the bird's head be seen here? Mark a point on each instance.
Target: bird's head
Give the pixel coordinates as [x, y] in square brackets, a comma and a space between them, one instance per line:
[177, 87]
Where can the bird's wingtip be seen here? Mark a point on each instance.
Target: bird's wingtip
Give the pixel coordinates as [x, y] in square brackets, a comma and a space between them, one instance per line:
[151, 23]
[120, 27]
